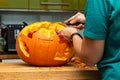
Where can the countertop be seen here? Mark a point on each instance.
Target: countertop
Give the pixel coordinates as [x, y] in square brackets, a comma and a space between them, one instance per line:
[23, 71]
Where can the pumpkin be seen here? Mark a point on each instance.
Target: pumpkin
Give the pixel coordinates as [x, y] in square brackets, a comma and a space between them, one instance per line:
[38, 44]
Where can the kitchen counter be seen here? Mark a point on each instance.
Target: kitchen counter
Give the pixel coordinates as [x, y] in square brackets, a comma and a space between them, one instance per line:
[23, 71]
[8, 56]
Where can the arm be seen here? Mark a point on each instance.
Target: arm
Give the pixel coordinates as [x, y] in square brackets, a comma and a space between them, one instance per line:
[91, 48]
[90, 51]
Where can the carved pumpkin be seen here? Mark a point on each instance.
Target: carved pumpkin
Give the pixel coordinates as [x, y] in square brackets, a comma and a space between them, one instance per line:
[38, 44]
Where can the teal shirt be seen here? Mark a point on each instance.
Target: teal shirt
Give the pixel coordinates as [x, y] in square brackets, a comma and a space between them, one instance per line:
[103, 23]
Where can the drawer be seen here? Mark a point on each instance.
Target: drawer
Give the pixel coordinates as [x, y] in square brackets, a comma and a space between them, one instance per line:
[54, 4]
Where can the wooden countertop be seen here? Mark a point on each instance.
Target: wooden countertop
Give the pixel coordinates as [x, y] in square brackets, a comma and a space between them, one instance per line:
[9, 55]
[23, 71]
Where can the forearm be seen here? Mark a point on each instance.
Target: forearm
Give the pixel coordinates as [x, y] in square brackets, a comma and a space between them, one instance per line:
[77, 42]
[90, 51]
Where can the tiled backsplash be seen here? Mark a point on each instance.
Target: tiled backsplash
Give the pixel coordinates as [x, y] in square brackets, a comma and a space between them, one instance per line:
[18, 18]
[29, 18]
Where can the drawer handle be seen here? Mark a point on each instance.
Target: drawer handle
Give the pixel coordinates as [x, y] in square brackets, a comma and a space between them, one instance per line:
[54, 3]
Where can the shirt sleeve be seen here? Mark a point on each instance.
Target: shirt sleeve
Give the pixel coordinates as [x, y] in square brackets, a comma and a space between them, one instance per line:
[96, 14]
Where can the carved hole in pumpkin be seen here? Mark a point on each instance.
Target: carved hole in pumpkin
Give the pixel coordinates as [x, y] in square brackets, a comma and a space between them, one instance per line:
[31, 34]
[24, 48]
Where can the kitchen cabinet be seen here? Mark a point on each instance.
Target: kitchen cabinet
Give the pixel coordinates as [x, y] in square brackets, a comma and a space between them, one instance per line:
[43, 4]
[82, 4]
[14, 4]
[54, 4]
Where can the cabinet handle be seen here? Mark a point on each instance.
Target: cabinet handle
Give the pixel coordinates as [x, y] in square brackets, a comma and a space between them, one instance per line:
[54, 3]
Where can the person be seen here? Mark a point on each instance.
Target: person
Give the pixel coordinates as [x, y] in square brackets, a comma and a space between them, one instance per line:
[101, 36]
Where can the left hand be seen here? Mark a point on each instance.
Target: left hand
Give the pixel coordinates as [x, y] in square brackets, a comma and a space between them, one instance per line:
[78, 17]
[65, 33]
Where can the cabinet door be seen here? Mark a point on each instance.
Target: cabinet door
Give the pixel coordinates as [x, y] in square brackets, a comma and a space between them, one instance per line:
[36, 4]
[54, 4]
[72, 5]
[82, 4]
[14, 4]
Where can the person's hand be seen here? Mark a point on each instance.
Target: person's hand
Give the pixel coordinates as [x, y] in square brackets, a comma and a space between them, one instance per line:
[65, 33]
[79, 17]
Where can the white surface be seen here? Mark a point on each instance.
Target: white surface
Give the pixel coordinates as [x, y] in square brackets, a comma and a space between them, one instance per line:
[12, 60]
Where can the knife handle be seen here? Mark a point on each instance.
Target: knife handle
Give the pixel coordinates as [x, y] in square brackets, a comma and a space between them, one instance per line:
[74, 24]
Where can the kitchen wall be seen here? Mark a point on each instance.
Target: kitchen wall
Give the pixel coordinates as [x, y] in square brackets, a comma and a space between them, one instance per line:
[30, 17]
[16, 18]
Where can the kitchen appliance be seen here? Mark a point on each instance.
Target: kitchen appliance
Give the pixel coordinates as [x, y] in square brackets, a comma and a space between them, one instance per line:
[9, 34]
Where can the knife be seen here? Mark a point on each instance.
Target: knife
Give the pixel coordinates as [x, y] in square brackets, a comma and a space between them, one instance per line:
[76, 24]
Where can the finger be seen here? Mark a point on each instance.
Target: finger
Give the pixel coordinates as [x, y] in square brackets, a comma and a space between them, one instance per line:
[80, 26]
[60, 35]
[71, 18]
[74, 20]
[59, 32]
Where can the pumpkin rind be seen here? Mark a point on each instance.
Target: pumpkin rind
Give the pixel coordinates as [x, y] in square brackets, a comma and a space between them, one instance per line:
[38, 44]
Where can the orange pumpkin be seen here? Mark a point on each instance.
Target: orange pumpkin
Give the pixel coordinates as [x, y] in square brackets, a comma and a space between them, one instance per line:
[38, 44]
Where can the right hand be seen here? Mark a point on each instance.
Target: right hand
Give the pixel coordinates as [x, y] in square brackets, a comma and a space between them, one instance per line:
[79, 17]
[66, 32]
